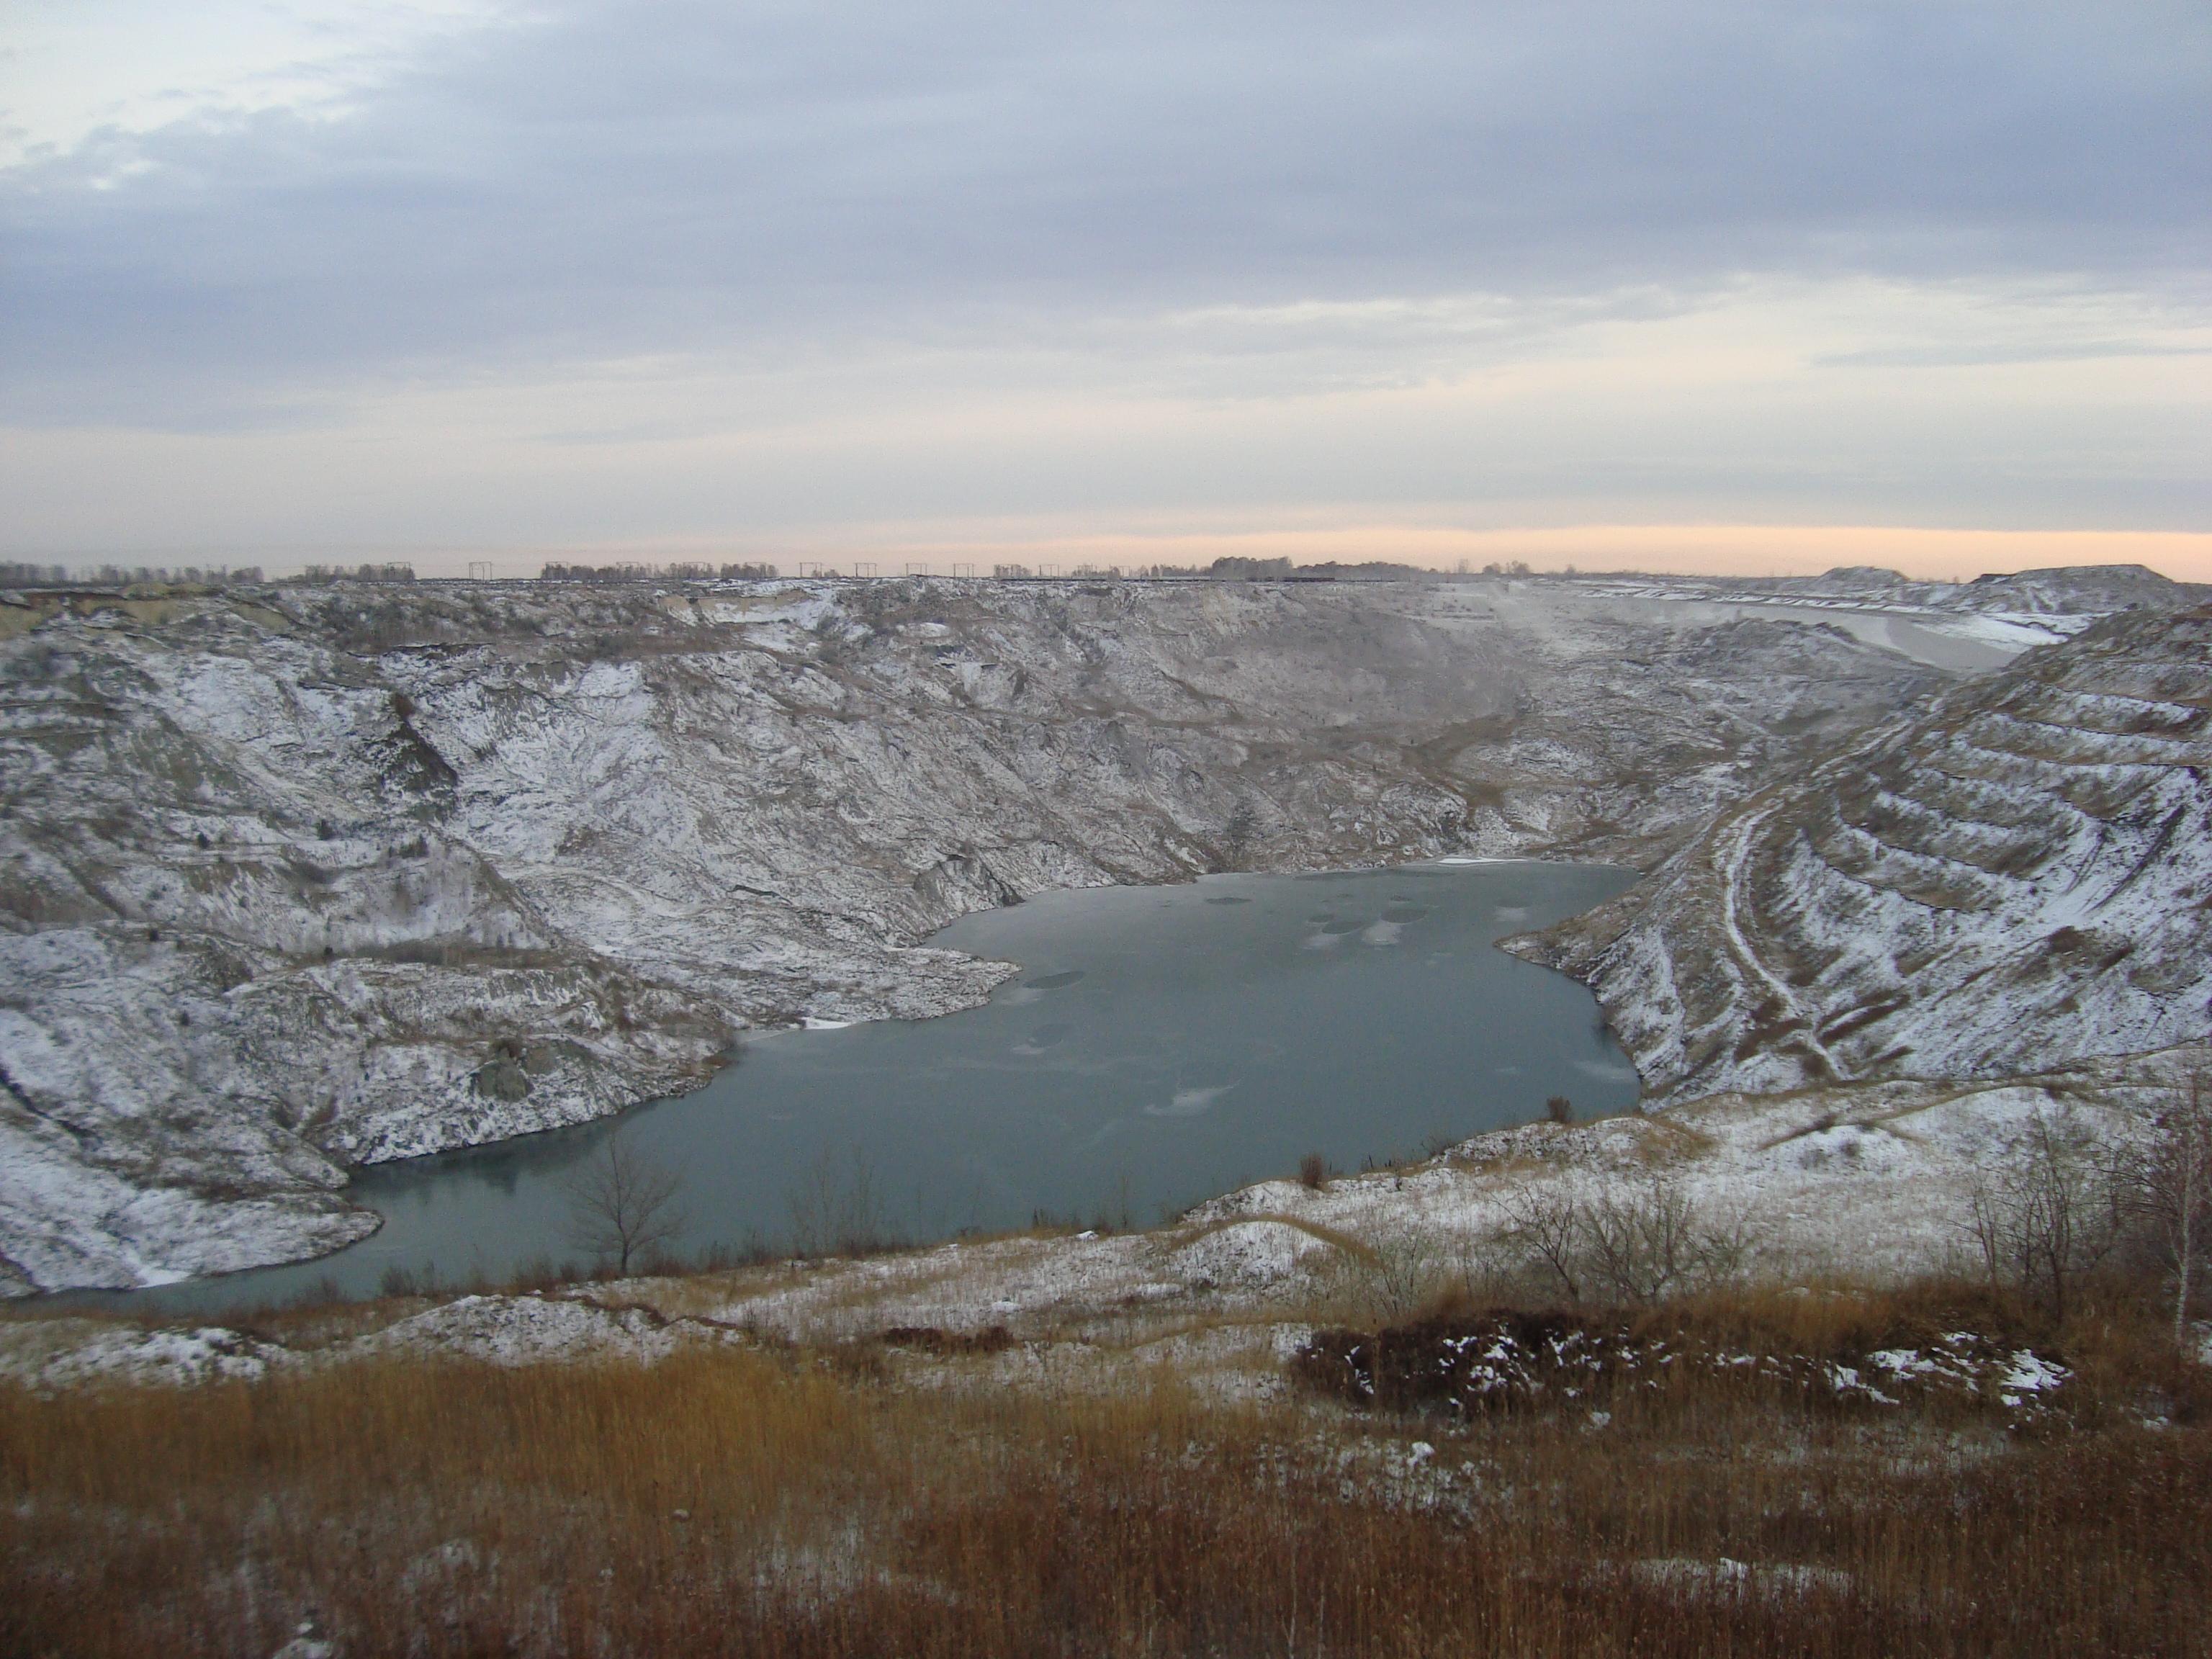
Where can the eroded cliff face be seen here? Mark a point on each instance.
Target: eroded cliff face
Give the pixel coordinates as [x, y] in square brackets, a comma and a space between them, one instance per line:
[295, 879]
[2016, 878]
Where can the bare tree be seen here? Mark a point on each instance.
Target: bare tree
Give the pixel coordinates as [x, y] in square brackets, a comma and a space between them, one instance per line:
[1549, 1226]
[622, 1205]
[2053, 1213]
[2174, 1185]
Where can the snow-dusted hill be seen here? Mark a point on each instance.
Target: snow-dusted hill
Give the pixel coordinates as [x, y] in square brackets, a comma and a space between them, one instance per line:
[2017, 876]
[297, 878]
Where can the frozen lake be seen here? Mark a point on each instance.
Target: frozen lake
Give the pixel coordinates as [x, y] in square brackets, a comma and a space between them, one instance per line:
[1161, 1044]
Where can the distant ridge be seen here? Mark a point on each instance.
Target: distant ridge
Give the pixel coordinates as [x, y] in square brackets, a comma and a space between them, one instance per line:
[2075, 590]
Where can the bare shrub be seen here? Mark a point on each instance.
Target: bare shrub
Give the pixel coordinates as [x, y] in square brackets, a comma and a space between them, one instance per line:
[401, 1281]
[836, 1209]
[1637, 1244]
[1313, 1172]
[1416, 1273]
[1407, 1275]
[623, 1205]
[1560, 1109]
[1656, 1240]
[1401, 1275]
[1238, 837]
[1548, 1225]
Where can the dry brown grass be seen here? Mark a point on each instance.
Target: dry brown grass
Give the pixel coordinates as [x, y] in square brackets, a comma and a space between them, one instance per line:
[1336, 1237]
[751, 1501]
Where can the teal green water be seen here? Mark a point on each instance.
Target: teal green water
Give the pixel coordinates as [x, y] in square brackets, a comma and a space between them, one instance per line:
[1161, 1044]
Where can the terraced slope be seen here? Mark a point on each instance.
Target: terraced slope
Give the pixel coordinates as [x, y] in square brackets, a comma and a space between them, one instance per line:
[2018, 878]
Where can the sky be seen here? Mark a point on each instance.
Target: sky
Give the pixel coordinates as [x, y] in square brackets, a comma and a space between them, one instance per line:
[1738, 287]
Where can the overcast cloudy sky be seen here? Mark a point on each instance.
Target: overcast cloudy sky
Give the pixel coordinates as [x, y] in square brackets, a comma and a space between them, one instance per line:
[1766, 286]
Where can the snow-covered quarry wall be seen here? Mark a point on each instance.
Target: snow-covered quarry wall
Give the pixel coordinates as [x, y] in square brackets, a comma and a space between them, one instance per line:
[2015, 878]
[294, 880]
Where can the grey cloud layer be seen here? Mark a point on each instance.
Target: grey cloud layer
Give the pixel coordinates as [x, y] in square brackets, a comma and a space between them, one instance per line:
[609, 179]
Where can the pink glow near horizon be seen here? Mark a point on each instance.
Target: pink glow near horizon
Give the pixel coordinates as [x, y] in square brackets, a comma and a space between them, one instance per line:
[1745, 550]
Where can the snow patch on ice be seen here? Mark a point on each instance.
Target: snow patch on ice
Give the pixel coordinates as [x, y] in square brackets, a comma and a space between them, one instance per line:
[1189, 1102]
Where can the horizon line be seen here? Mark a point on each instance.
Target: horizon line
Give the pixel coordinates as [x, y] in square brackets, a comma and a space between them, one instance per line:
[1715, 548]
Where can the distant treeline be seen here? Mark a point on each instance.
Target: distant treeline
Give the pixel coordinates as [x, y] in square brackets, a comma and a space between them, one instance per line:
[397, 571]
[20, 575]
[633, 571]
[116, 576]
[1373, 570]
[1237, 569]
[1221, 570]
